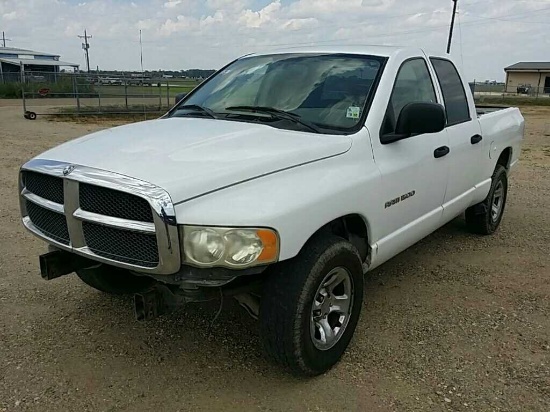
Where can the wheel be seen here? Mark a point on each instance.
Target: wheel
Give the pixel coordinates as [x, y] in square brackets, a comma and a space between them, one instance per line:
[32, 116]
[113, 280]
[310, 306]
[484, 218]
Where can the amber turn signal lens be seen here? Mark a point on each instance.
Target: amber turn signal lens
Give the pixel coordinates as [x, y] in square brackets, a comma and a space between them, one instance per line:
[270, 242]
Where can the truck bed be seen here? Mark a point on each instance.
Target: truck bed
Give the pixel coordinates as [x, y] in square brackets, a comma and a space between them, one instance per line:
[485, 109]
[501, 128]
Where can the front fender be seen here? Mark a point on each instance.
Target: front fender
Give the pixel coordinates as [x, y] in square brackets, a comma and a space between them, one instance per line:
[295, 202]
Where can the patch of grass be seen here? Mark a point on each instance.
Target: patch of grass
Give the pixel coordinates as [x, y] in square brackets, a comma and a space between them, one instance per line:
[10, 91]
[173, 89]
[65, 87]
[111, 120]
[62, 88]
[119, 114]
[513, 101]
[112, 109]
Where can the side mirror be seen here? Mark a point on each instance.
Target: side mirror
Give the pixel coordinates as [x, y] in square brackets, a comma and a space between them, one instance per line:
[417, 118]
[180, 97]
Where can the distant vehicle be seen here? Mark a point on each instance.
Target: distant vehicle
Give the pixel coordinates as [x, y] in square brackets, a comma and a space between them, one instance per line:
[524, 89]
[145, 81]
[279, 181]
[111, 81]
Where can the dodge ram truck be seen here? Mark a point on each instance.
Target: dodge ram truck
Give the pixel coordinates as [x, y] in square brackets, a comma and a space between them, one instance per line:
[279, 181]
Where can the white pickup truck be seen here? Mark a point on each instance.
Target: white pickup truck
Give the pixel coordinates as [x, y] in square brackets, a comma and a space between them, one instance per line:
[279, 181]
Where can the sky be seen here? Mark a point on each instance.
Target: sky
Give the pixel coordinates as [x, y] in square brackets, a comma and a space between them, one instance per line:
[184, 34]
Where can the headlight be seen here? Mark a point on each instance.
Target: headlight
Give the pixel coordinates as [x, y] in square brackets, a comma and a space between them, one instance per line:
[229, 247]
[204, 246]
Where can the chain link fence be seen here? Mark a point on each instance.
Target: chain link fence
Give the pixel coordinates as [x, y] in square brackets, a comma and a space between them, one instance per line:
[47, 93]
[80, 94]
[500, 90]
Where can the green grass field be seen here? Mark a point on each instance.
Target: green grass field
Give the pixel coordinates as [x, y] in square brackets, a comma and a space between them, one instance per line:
[172, 87]
[512, 101]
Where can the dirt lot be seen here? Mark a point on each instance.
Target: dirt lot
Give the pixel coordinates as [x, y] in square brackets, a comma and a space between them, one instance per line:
[457, 322]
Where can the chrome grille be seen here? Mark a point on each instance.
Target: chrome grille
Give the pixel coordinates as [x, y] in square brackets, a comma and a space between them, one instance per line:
[52, 224]
[45, 186]
[108, 217]
[109, 202]
[122, 245]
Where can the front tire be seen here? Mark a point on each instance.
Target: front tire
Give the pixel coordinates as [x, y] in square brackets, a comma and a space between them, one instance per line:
[311, 304]
[485, 217]
[113, 280]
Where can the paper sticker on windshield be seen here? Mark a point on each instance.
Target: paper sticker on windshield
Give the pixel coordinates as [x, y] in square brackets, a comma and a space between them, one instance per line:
[353, 112]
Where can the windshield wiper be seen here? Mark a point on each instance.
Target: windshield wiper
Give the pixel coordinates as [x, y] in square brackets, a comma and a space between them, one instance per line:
[197, 108]
[276, 113]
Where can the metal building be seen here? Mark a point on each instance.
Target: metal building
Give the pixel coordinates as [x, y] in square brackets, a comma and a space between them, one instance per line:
[16, 64]
[531, 77]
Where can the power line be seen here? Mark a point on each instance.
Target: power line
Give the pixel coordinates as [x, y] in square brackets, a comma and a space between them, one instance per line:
[86, 47]
[512, 20]
[477, 21]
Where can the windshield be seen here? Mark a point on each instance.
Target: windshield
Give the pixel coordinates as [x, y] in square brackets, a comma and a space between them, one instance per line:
[327, 92]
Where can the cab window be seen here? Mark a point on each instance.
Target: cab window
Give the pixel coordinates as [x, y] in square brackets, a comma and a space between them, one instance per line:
[413, 84]
[454, 96]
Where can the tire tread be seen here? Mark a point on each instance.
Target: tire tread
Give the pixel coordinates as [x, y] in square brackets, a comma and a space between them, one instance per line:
[481, 224]
[285, 294]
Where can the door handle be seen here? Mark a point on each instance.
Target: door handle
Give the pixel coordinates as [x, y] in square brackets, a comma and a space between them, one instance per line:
[476, 139]
[441, 151]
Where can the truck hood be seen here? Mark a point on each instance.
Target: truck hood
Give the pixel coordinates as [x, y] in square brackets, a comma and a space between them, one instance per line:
[189, 157]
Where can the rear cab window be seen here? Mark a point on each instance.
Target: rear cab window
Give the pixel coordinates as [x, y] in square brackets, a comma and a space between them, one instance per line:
[454, 95]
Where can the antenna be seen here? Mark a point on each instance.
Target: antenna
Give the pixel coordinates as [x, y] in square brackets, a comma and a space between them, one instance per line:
[452, 27]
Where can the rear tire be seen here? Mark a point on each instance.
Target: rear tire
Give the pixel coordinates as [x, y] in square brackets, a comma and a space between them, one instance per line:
[485, 217]
[311, 304]
[113, 280]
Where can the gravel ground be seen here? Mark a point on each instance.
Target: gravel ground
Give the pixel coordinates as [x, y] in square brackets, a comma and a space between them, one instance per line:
[457, 322]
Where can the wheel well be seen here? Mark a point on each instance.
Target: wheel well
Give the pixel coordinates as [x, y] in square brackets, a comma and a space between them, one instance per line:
[352, 228]
[505, 158]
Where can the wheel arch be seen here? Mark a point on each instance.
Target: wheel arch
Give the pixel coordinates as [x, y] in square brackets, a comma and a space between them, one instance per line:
[505, 158]
[353, 227]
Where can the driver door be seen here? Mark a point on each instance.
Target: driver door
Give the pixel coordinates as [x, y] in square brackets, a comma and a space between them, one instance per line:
[414, 175]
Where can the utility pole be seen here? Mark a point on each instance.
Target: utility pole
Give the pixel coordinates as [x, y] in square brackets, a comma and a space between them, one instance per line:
[4, 40]
[141, 53]
[452, 26]
[86, 47]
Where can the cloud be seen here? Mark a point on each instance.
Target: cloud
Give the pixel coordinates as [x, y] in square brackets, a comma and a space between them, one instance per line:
[172, 4]
[180, 34]
[10, 16]
[261, 17]
[227, 4]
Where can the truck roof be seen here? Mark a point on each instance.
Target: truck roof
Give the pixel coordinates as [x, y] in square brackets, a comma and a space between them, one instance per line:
[384, 51]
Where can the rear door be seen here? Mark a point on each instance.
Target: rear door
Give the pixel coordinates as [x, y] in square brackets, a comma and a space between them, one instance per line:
[465, 139]
[413, 179]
